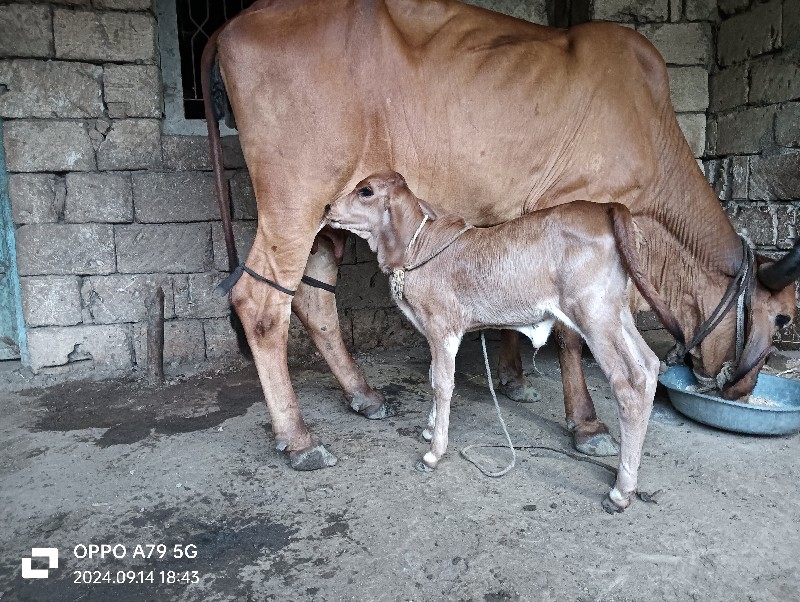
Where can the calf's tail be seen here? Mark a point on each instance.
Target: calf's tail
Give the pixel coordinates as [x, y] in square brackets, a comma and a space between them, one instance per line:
[622, 222]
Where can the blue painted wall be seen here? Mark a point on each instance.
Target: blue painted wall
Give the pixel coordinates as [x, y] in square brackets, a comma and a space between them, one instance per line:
[12, 326]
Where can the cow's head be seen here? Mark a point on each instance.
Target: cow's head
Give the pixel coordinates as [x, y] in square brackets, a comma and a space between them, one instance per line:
[772, 306]
[383, 211]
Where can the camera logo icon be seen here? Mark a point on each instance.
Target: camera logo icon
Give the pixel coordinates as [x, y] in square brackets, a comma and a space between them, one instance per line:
[52, 563]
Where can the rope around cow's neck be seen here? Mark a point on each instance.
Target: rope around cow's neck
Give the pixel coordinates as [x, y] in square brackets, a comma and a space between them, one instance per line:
[465, 450]
[737, 294]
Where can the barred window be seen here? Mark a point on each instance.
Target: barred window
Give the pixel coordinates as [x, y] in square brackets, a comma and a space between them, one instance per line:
[184, 27]
[197, 20]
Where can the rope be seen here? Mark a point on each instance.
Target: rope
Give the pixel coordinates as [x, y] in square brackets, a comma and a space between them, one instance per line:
[738, 295]
[565, 452]
[488, 473]
[331, 288]
[397, 279]
[411, 242]
[452, 239]
[465, 450]
[226, 285]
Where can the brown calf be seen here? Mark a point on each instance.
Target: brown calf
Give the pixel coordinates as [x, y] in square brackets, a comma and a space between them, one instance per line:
[564, 264]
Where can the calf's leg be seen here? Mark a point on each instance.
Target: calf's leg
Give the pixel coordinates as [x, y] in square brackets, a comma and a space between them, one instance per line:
[632, 371]
[316, 309]
[427, 434]
[443, 367]
[589, 435]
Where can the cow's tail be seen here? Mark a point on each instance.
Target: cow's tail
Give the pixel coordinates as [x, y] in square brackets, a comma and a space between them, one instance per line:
[207, 74]
[210, 72]
[624, 234]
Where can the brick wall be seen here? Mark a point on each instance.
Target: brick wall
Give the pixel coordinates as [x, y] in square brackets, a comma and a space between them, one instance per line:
[754, 122]
[107, 206]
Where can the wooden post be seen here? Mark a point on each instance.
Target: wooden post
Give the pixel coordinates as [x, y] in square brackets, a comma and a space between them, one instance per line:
[155, 337]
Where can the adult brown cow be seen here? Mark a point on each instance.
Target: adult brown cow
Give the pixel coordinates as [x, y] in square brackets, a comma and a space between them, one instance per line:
[493, 117]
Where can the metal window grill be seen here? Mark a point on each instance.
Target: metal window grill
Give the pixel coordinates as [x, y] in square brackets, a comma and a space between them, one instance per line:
[197, 20]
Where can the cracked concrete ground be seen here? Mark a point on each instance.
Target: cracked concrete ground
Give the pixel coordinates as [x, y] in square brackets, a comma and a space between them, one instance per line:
[193, 464]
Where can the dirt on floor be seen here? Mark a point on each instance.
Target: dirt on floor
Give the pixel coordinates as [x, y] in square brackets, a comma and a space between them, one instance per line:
[184, 487]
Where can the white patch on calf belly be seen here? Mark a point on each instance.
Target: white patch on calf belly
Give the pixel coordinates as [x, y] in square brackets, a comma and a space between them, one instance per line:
[559, 315]
[452, 343]
[538, 333]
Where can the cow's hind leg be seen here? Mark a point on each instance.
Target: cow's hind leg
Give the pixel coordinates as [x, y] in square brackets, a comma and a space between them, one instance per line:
[589, 435]
[316, 309]
[514, 384]
[264, 311]
[632, 371]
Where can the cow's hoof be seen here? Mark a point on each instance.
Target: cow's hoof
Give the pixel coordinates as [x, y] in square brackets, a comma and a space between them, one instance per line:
[601, 444]
[427, 435]
[520, 390]
[312, 458]
[422, 467]
[371, 405]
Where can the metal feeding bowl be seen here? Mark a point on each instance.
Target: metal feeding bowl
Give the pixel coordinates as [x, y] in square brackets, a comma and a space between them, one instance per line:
[774, 408]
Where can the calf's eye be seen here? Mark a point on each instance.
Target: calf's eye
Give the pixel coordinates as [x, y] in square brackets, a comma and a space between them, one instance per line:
[365, 192]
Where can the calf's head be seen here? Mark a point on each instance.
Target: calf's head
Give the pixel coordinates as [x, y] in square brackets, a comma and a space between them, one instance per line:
[383, 211]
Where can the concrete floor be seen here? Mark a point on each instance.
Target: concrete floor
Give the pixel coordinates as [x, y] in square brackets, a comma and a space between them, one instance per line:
[192, 464]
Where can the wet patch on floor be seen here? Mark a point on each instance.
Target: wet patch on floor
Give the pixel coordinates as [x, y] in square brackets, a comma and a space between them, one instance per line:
[131, 412]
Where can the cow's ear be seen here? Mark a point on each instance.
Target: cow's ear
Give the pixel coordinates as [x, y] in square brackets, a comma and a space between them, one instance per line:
[427, 209]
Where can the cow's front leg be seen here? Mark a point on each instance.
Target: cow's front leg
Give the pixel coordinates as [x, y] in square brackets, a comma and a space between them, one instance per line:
[264, 313]
[514, 384]
[589, 435]
[316, 309]
[443, 367]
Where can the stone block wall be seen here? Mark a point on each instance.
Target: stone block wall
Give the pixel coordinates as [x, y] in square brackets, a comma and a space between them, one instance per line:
[753, 151]
[682, 31]
[108, 207]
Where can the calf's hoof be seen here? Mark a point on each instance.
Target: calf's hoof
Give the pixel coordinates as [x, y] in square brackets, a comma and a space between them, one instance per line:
[611, 507]
[615, 502]
[520, 390]
[372, 405]
[593, 439]
[428, 463]
[427, 435]
[312, 458]
[420, 466]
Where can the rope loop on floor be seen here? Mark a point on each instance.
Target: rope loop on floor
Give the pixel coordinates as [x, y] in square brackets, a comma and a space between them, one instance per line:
[465, 450]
